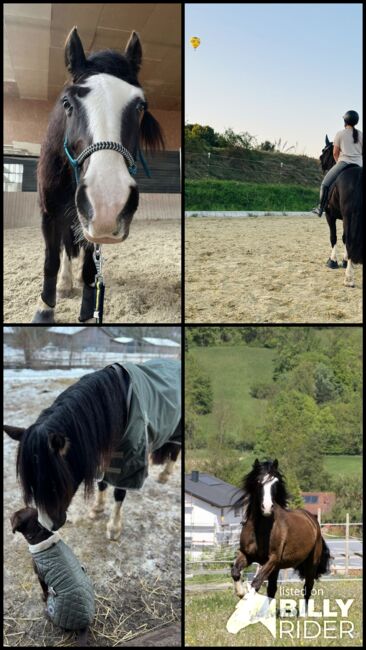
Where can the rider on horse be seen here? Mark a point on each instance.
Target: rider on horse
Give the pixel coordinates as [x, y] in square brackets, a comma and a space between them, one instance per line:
[347, 149]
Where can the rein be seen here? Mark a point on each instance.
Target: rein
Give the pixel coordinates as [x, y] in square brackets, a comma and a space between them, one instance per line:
[76, 164]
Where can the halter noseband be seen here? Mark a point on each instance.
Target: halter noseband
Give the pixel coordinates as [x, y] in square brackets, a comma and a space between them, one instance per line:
[76, 163]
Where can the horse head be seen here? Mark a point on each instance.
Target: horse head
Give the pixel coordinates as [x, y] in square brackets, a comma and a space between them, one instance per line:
[326, 158]
[265, 486]
[102, 117]
[48, 477]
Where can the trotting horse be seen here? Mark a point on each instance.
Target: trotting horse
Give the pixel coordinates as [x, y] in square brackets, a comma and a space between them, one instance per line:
[87, 192]
[345, 203]
[275, 537]
[102, 427]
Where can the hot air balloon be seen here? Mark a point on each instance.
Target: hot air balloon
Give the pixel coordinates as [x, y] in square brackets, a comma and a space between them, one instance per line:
[195, 42]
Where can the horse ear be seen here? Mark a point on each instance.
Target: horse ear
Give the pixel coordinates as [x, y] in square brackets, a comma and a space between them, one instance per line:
[58, 443]
[133, 52]
[327, 140]
[275, 463]
[15, 433]
[256, 463]
[75, 59]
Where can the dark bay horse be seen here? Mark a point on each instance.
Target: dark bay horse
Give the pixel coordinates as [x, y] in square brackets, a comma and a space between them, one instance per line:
[87, 191]
[275, 537]
[101, 427]
[345, 203]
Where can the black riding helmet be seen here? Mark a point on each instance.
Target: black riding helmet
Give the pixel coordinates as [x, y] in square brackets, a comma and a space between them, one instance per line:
[351, 118]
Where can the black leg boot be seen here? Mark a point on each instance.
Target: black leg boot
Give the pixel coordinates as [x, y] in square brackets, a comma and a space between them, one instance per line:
[323, 201]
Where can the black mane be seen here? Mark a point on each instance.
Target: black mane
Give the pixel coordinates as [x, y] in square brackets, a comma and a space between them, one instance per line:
[91, 414]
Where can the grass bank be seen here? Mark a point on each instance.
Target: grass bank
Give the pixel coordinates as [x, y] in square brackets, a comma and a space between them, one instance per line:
[234, 195]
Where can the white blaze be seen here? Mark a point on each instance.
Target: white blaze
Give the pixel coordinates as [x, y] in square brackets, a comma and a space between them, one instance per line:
[267, 497]
[45, 520]
[107, 177]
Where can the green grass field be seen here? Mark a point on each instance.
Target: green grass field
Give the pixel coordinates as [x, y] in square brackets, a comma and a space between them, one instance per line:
[234, 195]
[233, 370]
[343, 465]
[207, 613]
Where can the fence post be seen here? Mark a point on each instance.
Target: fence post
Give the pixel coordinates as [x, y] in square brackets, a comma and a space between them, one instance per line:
[319, 516]
[347, 544]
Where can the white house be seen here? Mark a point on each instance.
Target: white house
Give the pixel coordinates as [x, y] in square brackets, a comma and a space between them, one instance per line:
[210, 518]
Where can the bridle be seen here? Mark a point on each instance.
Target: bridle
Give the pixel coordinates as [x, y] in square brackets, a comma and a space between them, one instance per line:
[77, 163]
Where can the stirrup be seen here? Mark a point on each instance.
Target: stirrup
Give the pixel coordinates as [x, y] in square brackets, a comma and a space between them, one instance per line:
[318, 210]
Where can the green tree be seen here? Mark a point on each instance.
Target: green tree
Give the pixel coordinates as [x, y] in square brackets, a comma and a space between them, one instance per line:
[327, 387]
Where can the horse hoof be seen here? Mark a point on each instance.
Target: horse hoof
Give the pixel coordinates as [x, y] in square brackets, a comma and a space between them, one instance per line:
[113, 533]
[331, 264]
[344, 264]
[46, 316]
[349, 283]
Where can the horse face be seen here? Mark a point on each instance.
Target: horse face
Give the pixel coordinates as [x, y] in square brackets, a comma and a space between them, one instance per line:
[48, 478]
[326, 158]
[102, 107]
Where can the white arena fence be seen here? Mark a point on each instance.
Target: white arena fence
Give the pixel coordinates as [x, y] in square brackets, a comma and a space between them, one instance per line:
[215, 559]
[22, 208]
[239, 214]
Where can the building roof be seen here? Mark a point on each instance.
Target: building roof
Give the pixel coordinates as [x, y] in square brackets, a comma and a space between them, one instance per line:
[66, 330]
[212, 490]
[165, 342]
[123, 339]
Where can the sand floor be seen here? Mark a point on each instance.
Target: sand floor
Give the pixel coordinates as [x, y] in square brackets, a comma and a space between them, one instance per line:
[266, 270]
[137, 579]
[142, 276]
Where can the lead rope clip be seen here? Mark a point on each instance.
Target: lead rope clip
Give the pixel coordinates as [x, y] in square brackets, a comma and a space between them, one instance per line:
[99, 284]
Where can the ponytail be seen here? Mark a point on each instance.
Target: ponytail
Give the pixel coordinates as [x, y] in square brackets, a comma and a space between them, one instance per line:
[355, 134]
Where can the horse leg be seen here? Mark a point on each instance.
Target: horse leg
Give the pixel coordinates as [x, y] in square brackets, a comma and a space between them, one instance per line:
[97, 508]
[47, 301]
[272, 583]
[88, 299]
[114, 526]
[167, 471]
[79, 269]
[349, 279]
[240, 563]
[345, 254]
[64, 285]
[332, 261]
[264, 572]
[170, 464]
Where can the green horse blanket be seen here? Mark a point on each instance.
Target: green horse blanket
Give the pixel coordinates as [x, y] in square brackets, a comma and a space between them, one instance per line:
[153, 419]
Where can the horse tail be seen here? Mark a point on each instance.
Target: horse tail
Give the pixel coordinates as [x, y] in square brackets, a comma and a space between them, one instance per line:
[354, 229]
[323, 566]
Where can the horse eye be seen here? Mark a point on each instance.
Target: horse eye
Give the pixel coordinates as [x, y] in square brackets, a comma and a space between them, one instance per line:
[141, 107]
[66, 104]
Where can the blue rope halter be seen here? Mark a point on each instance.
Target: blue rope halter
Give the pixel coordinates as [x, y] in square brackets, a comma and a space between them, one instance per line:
[76, 163]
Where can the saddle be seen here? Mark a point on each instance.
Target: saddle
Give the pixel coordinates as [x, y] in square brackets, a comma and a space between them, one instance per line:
[331, 187]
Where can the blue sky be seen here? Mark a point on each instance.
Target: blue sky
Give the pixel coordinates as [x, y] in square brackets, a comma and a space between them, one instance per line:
[286, 71]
